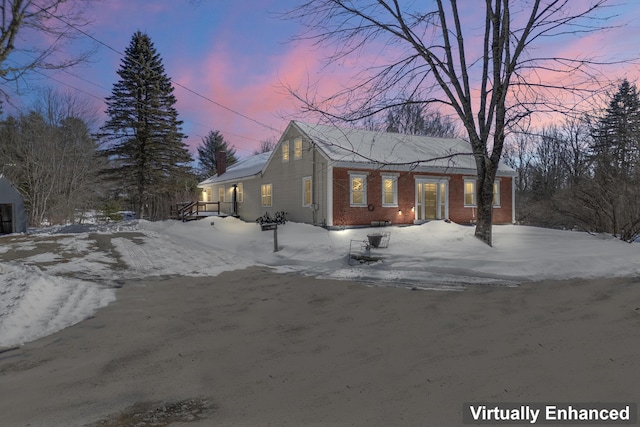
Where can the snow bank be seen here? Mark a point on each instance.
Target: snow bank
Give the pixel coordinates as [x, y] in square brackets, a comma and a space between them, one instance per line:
[38, 297]
[34, 304]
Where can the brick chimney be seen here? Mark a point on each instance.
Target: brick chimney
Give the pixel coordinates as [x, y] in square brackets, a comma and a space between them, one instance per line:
[221, 162]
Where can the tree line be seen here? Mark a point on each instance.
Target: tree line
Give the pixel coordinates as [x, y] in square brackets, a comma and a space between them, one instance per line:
[584, 172]
[145, 164]
[66, 166]
[491, 76]
[49, 153]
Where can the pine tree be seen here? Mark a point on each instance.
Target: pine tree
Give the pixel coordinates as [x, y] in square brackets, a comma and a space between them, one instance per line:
[213, 144]
[615, 153]
[144, 140]
[616, 136]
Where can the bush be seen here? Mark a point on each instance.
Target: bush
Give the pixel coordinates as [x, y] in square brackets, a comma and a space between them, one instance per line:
[111, 212]
[279, 217]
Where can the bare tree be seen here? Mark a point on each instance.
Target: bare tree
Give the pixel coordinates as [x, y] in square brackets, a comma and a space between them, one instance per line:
[39, 29]
[491, 82]
[54, 158]
[266, 145]
[577, 139]
[518, 154]
[414, 118]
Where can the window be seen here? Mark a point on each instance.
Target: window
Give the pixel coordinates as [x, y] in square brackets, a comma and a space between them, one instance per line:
[297, 149]
[470, 193]
[239, 192]
[221, 193]
[358, 189]
[306, 191]
[389, 190]
[266, 191]
[285, 151]
[209, 199]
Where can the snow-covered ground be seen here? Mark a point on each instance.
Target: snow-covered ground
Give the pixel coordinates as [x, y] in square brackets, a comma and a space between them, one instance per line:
[55, 277]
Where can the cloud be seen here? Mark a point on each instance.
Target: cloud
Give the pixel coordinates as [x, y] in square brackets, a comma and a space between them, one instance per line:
[250, 106]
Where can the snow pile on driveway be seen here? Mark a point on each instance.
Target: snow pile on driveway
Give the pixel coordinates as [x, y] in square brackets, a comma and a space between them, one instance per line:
[35, 304]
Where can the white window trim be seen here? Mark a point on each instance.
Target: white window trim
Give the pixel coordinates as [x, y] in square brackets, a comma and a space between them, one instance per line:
[262, 195]
[421, 179]
[297, 155]
[286, 154]
[304, 192]
[362, 175]
[393, 177]
[239, 192]
[474, 181]
[221, 195]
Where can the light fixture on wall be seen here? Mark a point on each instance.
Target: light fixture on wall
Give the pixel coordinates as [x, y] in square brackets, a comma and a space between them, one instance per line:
[399, 211]
[413, 209]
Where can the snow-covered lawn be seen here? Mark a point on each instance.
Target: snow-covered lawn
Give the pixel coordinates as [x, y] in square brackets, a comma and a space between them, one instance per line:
[55, 277]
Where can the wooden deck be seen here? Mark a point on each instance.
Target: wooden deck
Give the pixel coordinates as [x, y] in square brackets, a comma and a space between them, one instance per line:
[189, 211]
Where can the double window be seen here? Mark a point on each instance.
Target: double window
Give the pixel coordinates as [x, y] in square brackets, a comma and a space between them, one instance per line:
[358, 189]
[297, 150]
[470, 192]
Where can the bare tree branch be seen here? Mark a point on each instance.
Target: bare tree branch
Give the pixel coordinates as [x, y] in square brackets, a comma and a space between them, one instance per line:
[425, 53]
[39, 30]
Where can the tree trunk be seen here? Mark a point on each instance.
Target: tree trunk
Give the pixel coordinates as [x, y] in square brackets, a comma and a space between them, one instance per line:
[484, 197]
[486, 171]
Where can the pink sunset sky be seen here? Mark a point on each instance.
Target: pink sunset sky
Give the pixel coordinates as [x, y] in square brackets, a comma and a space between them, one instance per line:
[237, 56]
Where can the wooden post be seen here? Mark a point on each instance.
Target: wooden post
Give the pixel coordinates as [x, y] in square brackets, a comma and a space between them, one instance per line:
[275, 239]
[272, 226]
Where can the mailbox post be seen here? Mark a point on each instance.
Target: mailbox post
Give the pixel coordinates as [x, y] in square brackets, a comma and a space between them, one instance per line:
[272, 226]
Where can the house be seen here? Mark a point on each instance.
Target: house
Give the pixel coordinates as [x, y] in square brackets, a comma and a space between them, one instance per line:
[13, 218]
[229, 185]
[334, 177]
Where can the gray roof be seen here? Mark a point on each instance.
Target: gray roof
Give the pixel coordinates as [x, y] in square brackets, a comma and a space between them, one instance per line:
[353, 146]
[8, 192]
[241, 170]
[365, 148]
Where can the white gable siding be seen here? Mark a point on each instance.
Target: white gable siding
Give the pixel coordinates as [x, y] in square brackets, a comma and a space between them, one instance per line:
[287, 179]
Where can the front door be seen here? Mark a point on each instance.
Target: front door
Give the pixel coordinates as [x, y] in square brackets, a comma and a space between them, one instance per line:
[431, 200]
[430, 193]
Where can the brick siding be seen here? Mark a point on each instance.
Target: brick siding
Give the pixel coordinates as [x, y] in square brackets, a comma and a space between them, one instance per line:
[344, 214]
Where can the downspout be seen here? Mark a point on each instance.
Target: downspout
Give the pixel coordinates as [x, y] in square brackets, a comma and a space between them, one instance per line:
[314, 208]
[513, 199]
[329, 194]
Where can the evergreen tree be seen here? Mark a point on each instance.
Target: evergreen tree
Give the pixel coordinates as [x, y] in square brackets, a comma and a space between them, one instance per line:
[616, 135]
[144, 140]
[615, 152]
[213, 144]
